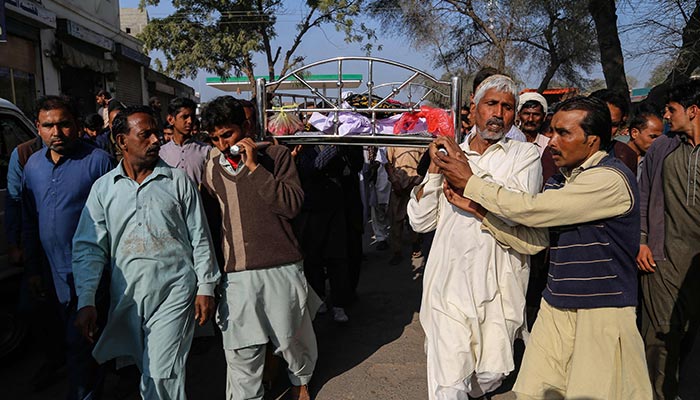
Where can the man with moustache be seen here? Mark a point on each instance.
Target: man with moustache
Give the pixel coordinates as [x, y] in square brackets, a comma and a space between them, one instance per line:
[56, 182]
[146, 220]
[183, 151]
[532, 108]
[585, 343]
[474, 283]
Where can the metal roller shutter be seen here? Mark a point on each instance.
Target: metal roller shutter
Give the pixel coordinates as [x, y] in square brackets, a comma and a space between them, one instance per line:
[128, 84]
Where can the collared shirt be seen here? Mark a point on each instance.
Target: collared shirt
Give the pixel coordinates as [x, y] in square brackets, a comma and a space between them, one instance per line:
[156, 238]
[601, 192]
[53, 197]
[541, 141]
[190, 157]
[152, 233]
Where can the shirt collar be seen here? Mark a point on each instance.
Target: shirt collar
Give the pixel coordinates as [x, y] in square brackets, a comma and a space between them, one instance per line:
[161, 169]
[591, 161]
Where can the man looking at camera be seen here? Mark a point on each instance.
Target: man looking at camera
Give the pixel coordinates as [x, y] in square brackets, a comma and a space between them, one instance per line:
[146, 220]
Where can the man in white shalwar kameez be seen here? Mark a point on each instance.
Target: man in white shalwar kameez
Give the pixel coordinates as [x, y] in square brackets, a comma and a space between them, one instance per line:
[474, 284]
[146, 221]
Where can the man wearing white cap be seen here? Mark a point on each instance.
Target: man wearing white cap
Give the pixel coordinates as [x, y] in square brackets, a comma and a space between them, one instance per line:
[531, 112]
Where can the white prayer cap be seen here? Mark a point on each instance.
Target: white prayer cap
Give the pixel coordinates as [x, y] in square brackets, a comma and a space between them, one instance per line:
[528, 96]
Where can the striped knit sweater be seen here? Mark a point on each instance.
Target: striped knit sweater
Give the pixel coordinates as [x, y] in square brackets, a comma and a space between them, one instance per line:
[593, 265]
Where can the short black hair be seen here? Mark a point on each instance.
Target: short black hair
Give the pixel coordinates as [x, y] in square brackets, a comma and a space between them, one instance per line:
[168, 126]
[120, 124]
[94, 122]
[222, 111]
[104, 93]
[685, 94]
[179, 103]
[597, 121]
[617, 99]
[641, 113]
[51, 102]
[481, 76]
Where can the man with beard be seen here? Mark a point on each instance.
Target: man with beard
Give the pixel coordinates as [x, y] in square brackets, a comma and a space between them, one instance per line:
[146, 220]
[183, 151]
[474, 284]
[56, 183]
[585, 343]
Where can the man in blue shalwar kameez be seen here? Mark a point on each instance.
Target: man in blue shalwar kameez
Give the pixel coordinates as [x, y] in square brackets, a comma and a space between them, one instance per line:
[146, 219]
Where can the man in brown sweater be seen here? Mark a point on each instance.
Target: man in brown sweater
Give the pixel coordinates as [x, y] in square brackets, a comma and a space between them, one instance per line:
[250, 199]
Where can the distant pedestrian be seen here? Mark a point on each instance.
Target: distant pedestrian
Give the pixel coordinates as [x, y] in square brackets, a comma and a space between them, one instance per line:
[103, 98]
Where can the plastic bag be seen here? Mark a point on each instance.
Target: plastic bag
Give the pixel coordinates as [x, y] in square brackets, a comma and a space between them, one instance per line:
[439, 121]
[284, 122]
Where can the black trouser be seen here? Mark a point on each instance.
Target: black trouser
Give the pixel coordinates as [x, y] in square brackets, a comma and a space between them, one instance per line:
[324, 242]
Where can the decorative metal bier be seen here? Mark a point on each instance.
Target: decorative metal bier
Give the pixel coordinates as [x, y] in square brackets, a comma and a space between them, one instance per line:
[418, 88]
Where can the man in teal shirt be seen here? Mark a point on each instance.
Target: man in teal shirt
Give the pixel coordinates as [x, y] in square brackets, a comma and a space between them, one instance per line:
[146, 219]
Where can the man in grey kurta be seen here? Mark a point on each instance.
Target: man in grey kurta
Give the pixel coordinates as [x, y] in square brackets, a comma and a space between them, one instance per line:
[146, 220]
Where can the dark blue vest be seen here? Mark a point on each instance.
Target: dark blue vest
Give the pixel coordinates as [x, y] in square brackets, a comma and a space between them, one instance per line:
[592, 264]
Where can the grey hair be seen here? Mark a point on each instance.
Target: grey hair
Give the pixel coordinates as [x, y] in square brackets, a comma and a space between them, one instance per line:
[501, 83]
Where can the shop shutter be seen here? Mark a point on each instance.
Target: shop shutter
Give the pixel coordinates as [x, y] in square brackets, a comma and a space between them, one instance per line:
[128, 85]
[19, 54]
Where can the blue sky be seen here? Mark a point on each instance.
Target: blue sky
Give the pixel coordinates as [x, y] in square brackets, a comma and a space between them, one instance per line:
[326, 43]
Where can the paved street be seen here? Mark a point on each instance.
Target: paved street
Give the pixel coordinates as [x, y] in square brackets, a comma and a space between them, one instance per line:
[377, 355]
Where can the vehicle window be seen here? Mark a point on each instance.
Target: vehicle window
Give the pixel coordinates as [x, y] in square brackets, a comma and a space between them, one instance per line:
[12, 133]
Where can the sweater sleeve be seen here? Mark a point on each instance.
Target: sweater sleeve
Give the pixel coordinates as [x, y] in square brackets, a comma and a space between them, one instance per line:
[281, 188]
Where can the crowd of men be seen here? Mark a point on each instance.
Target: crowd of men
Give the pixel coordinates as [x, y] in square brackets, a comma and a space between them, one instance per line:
[581, 217]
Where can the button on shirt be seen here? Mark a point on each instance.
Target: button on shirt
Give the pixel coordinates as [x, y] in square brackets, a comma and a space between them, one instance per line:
[53, 198]
[190, 157]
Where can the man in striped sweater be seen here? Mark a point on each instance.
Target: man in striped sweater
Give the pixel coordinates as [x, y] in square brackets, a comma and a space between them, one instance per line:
[584, 343]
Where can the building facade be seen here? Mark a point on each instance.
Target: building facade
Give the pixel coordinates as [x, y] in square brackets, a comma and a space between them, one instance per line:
[74, 47]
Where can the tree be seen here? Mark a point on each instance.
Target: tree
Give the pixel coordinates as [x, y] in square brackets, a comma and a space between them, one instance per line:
[604, 15]
[660, 72]
[222, 37]
[471, 34]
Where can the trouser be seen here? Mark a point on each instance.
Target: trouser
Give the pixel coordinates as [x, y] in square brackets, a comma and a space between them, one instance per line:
[594, 354]
[380, 221]
[325, 245]
[245, 365]
[397, 208]
[85, 376]
[172, 388]
[669, 321]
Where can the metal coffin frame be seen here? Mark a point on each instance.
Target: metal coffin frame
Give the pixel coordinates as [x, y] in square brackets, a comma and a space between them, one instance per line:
[265, 91]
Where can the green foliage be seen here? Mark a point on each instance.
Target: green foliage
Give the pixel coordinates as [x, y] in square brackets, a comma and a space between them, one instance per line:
[222, 36]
